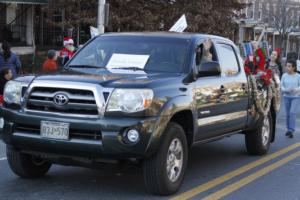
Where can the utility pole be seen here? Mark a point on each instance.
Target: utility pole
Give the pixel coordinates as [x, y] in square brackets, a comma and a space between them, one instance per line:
[101, 16]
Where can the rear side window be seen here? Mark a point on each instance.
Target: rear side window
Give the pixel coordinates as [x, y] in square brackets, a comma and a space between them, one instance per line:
[228, 60]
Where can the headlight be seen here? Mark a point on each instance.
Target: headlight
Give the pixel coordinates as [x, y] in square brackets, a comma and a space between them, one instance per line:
[13, 92]
[130, 100]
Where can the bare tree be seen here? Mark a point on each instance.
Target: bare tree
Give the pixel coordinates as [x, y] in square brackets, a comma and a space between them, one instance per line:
[284, 20]
[206, 16]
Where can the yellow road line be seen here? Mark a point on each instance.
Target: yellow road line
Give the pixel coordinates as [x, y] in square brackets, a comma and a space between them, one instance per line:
[217, 181]
[233, 187]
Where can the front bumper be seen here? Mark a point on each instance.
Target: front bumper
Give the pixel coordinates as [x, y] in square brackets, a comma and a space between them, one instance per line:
[110, 144]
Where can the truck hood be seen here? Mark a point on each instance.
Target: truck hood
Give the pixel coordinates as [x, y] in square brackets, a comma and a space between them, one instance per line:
[137, 79]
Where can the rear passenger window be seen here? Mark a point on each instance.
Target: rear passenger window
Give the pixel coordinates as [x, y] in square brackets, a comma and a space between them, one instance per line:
[228, 59]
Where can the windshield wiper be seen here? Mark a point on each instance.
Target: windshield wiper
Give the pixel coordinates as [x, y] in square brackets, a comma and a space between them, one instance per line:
[84, 66]
[129, 68]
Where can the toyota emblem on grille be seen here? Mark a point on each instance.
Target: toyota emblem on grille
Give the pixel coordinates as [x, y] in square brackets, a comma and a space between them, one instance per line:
[60, 99]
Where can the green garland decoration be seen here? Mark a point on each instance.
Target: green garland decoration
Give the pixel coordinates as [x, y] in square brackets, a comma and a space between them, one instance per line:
[262, 98]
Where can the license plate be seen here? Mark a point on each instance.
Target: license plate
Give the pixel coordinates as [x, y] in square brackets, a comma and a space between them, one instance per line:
[55, 130]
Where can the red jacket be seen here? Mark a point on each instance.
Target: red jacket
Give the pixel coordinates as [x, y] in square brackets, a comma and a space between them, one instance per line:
[1, 100]
[66, 52]
[49, 66]
[258, 63]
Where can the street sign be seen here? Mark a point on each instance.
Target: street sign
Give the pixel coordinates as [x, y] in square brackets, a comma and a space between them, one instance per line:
[180, 25]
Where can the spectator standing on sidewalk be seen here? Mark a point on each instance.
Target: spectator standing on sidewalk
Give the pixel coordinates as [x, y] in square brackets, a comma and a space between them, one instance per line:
[290, 87]
[50, 65]
[9, 60]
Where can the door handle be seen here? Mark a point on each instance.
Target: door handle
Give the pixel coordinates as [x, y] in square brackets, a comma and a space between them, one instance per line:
[243, 86]
[222, 89]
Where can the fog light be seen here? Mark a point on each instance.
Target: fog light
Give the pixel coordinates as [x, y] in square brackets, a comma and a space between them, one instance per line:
[133, 135]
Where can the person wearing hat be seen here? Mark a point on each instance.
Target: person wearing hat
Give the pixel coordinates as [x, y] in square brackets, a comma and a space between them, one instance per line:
[68, 50]
[50, 65]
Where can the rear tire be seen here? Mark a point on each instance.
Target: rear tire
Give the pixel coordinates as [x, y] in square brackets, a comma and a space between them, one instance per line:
[258, 140]
[164, 171]
[25, 165]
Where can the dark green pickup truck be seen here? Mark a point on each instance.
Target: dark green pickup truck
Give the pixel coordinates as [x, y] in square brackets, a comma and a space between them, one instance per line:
[139, 97]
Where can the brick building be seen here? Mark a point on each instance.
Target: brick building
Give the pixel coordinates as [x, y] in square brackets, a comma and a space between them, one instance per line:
[259, 15]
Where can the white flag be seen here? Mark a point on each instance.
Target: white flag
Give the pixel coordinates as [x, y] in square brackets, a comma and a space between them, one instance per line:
[180, 25]
[94, 31]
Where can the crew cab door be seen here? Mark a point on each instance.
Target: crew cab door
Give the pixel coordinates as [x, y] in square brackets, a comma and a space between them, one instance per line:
[210, 100]
[222, 101]
[235, 85]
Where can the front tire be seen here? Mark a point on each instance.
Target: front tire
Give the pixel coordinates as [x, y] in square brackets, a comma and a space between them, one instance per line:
[164, 171]
[258, 140]
[24, 165]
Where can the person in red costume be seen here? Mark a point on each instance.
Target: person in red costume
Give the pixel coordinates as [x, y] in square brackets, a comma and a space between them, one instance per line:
[68, 50]
[257, 61]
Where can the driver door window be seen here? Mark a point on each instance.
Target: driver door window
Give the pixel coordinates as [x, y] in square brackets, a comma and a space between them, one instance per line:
[202, 58]
[228, 60]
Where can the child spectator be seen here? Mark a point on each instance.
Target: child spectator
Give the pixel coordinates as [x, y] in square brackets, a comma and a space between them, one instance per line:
[5, 75]
[50, 65]
[290, 87]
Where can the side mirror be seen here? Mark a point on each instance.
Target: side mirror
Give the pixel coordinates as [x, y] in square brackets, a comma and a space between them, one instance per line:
[210, 68]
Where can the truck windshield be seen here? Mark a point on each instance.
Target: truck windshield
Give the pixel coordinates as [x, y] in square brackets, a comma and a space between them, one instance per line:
[150, 54]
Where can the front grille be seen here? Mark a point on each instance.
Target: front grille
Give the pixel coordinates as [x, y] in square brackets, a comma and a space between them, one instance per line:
[80, 101]
[73, 133]
[23, 91]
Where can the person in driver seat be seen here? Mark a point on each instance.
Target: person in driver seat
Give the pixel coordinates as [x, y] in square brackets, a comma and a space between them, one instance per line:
[207, 48]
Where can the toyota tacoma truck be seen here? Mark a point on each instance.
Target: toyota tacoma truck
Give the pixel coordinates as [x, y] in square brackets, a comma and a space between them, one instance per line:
[145, 98]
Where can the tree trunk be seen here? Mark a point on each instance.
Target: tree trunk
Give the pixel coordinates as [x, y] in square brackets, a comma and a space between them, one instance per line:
[283, 45]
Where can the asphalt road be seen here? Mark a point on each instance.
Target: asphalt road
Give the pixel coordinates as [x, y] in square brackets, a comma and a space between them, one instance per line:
[221, 169]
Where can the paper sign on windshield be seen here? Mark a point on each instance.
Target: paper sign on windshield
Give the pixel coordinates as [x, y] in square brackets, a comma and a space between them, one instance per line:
[127, 60]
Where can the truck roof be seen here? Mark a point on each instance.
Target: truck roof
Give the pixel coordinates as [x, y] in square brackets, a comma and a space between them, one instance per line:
[184, 35]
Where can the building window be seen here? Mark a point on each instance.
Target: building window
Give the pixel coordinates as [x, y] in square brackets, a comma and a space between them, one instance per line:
[275, 11]
[260, 6]
[298, 17]
[251, 14]
[246, 9]
[250, 9]
[253, 10]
